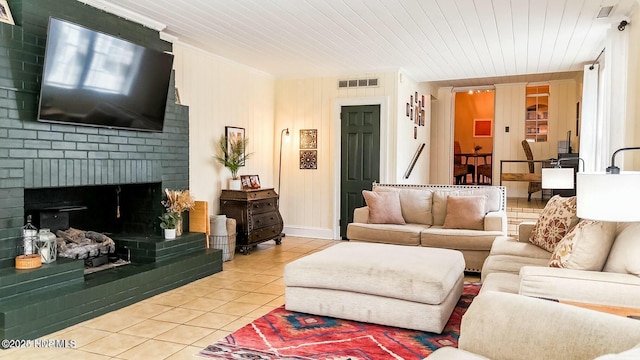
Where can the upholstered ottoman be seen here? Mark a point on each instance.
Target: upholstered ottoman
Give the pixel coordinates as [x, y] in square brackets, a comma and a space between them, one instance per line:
[404, 286]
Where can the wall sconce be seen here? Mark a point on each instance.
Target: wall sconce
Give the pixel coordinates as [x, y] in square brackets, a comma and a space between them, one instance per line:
[557, 177]
[611, 196]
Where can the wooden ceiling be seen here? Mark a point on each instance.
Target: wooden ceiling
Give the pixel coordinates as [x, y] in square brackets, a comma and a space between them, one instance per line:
[430, 40]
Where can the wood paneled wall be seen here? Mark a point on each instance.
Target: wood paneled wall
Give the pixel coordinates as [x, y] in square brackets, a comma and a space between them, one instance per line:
[307, 198]
[632, 158]
[441, 165]
[222, 93]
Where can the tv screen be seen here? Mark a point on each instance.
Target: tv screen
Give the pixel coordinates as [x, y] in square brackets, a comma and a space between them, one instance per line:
[95, 79]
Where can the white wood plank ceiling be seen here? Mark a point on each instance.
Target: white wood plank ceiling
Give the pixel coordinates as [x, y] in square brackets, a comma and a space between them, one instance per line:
[431, 40]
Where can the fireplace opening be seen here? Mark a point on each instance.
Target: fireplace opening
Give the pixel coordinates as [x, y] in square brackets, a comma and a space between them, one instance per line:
[110, 209]
[85, 218]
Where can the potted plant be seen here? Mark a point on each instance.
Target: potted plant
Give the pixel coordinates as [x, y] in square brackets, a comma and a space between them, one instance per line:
[177, 202]
[232, 155]
[168, 222]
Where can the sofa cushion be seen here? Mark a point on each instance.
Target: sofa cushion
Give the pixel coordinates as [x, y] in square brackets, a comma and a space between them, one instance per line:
[414, 203]
[439, 207]
[493, 197]
[384, 207]
[625, 252]
[508, 255]
[555, 221]
[408, 234]
[585, 247]
[461, 239]
[505, 245]
[465, 212]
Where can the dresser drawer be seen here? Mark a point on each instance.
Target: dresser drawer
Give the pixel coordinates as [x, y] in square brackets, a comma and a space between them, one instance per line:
[263, 220]
[259, 235]
[261, 206]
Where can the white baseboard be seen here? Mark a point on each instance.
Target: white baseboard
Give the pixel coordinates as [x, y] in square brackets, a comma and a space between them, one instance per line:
[309, 232]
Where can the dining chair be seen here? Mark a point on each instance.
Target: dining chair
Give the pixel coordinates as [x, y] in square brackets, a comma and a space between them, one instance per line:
[534, 186]
[461, 169]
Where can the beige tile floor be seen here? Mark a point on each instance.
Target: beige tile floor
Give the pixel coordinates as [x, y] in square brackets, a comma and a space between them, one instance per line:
[179, 323]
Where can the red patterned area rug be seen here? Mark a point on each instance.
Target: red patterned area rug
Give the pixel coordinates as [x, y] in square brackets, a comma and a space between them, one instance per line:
[283, 334]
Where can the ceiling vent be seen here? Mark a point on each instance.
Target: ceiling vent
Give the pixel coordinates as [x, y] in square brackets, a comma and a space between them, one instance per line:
[604, 12]
[355, 83]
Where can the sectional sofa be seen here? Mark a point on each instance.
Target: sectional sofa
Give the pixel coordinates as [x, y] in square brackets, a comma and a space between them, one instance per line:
[517, 266]
[427, 220]
[501, 326]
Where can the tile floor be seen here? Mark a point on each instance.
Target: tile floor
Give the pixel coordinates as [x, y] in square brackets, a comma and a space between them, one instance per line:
[179, 323]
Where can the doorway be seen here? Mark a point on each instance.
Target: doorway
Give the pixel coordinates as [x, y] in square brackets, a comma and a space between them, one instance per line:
[359, 159]
[473, 136]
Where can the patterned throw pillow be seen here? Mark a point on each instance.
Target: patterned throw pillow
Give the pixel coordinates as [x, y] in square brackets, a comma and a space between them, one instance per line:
[585, 247]
[384, 207]
[555, 221]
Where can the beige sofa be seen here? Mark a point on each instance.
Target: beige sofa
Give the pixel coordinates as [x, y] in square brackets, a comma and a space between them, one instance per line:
[517, 266]
[424, 208]
[508, 326]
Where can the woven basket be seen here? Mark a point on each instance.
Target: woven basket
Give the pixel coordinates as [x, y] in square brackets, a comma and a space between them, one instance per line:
[28, 261]
[225, 243]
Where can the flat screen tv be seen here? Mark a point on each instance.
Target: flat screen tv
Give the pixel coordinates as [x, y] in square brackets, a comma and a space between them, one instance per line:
[94, 79]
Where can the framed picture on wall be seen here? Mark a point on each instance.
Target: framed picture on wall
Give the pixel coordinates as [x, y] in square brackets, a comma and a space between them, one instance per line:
[233, 135]
[482, 127]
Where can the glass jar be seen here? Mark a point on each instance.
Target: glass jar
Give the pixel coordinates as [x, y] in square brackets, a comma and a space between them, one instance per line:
[29, 238]
[47, 247]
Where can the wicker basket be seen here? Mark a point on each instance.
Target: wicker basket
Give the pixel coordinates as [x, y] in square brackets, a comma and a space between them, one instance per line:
[28, 261]
[226, 243]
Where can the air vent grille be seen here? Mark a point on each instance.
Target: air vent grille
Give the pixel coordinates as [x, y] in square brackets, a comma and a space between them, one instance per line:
[604, 12]
[355, 83]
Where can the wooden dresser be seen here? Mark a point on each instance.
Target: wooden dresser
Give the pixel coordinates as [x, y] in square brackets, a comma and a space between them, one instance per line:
[257, 216]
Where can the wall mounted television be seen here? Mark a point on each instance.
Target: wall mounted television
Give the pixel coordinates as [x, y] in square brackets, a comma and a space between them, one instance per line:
[94, 79]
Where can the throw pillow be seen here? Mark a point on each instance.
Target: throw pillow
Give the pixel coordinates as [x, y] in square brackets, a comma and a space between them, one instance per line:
[465, 212]
[585, 247]
[556, 219]
[384, 207]
[625, 252]
[414, 203]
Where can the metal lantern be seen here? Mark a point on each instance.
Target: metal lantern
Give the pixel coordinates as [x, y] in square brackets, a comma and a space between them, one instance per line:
[47, 247]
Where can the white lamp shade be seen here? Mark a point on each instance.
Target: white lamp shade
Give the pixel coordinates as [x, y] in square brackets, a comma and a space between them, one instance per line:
[557, 178]
[609, 197]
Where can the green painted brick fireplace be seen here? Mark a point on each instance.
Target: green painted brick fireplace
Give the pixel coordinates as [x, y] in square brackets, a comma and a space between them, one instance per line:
[35, 155]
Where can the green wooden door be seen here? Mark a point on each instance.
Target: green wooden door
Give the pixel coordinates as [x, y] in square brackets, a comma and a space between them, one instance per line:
[360, 158]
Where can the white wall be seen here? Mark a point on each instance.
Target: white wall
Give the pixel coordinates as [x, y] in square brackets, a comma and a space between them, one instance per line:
[406, 145]
[308, 200]
[632, 129]
[441, 136]
[222, 93]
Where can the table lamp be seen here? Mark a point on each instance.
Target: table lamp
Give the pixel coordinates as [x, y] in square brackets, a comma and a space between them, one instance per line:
[557, 177]
[610, 196]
